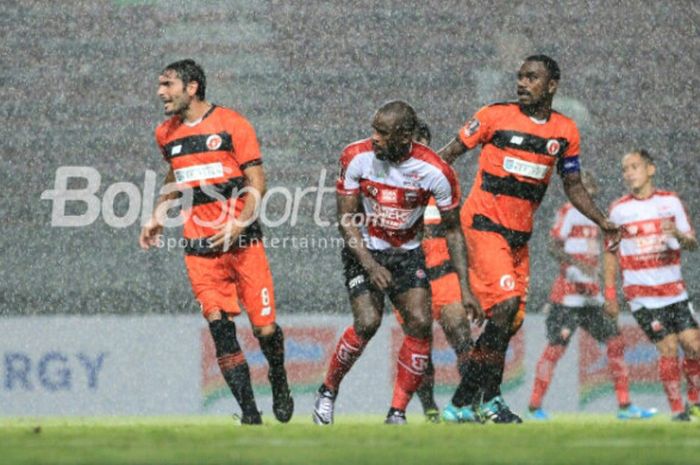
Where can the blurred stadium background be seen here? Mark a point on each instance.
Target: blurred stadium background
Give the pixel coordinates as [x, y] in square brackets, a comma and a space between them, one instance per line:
[78, 89]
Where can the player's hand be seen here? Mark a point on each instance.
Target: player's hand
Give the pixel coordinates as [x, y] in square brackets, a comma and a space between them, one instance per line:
[379, 276]
[611, 307]
[150, 233]
[612, 234]
[669, 228]
[473, 309]
[227, 235]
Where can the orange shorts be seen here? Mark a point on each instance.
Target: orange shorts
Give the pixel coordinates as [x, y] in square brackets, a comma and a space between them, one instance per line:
[220, 281]
[496, 272]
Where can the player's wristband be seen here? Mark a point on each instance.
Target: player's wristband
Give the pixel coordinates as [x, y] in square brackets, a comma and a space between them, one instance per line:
[610, 293]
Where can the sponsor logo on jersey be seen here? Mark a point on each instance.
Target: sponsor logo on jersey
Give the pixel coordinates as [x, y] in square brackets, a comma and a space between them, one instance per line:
[199, 172]
[517, 140]
[525, 168]
[389, 196]
[373, 191]
[214, 142]
[175, 150]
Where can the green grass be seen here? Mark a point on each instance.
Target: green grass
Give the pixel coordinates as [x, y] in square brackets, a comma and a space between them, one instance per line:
[581, 439]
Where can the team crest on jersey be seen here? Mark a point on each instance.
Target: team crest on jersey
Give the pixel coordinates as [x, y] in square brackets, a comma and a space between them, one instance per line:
[553, 146]
[373, 191]
[214, 142]
[507, 282]
[471, 127]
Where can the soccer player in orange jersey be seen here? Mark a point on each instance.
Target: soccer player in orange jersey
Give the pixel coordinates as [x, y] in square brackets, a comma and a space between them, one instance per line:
[523, 143]
[217, 173]
[655, 229]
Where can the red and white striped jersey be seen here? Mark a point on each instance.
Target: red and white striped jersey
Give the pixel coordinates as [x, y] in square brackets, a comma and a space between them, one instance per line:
[649, 259]
[581, 240]
[394, 195]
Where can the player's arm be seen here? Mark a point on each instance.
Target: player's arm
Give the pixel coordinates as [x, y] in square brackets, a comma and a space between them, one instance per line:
[610, 271]
[254, 190]
[687, 241]
[460, 261]
[154, 228]
[348, 213]
[579, 197]
[556, 250]
[453, 150]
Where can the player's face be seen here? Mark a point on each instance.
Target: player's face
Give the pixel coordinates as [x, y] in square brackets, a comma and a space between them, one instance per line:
[636, 172]
[534, 85]
[173, 94]
[389, 141]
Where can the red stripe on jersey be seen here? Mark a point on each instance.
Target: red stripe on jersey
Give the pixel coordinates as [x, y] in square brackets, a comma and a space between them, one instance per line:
[561, 216]
[660, 290]
[588, 289]
[650, 227]
[394, 196]
[395, 237]
[650, 260]
[350, 152]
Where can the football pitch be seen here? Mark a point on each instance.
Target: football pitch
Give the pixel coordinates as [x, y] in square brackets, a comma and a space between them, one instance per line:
[580, 439]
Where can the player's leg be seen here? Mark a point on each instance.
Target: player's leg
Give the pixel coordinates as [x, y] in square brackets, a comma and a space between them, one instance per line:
[499, 285]
[689, 338]
[656, 327]
[217, 297]
[367, 305]
[255, 287]
[561, 323]
[604, 329]
[414, 354]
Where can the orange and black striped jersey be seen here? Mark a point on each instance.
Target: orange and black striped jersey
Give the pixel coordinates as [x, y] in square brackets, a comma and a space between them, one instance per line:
[516, 163]
[208, 159]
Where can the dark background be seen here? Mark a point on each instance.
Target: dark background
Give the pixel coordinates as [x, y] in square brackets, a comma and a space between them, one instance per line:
[78, 83]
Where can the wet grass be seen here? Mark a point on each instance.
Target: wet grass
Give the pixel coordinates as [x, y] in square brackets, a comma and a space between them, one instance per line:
[582, 439]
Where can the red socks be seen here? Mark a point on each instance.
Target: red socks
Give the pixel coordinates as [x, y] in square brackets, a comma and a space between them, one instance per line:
[618, 369]
[410, 367]
[670, 374]
[691, 368]
[348, 350]
[543, 373]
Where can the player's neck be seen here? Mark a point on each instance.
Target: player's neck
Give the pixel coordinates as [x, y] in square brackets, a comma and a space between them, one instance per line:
[539, 112]
[196, 110]
[644, 192]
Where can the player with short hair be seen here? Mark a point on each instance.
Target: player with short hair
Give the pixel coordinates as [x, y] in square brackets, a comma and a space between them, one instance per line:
[576, 301]
[655, 229]
[523, 143]
[217, 174]
[382, 190]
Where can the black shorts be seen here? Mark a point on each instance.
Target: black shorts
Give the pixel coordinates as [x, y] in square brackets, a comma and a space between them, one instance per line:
[407, 268]
[562, 323]
[657, 323]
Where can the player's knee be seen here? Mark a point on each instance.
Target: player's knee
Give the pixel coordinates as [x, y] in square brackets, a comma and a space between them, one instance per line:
[691, 345]
[223, 332]
[367, 324]
[264, 331]
[419, 325]
[504, 313]
[667, 347]
[214, 315]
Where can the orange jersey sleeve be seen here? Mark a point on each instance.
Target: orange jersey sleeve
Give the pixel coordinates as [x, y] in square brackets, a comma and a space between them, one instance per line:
[477, 130]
